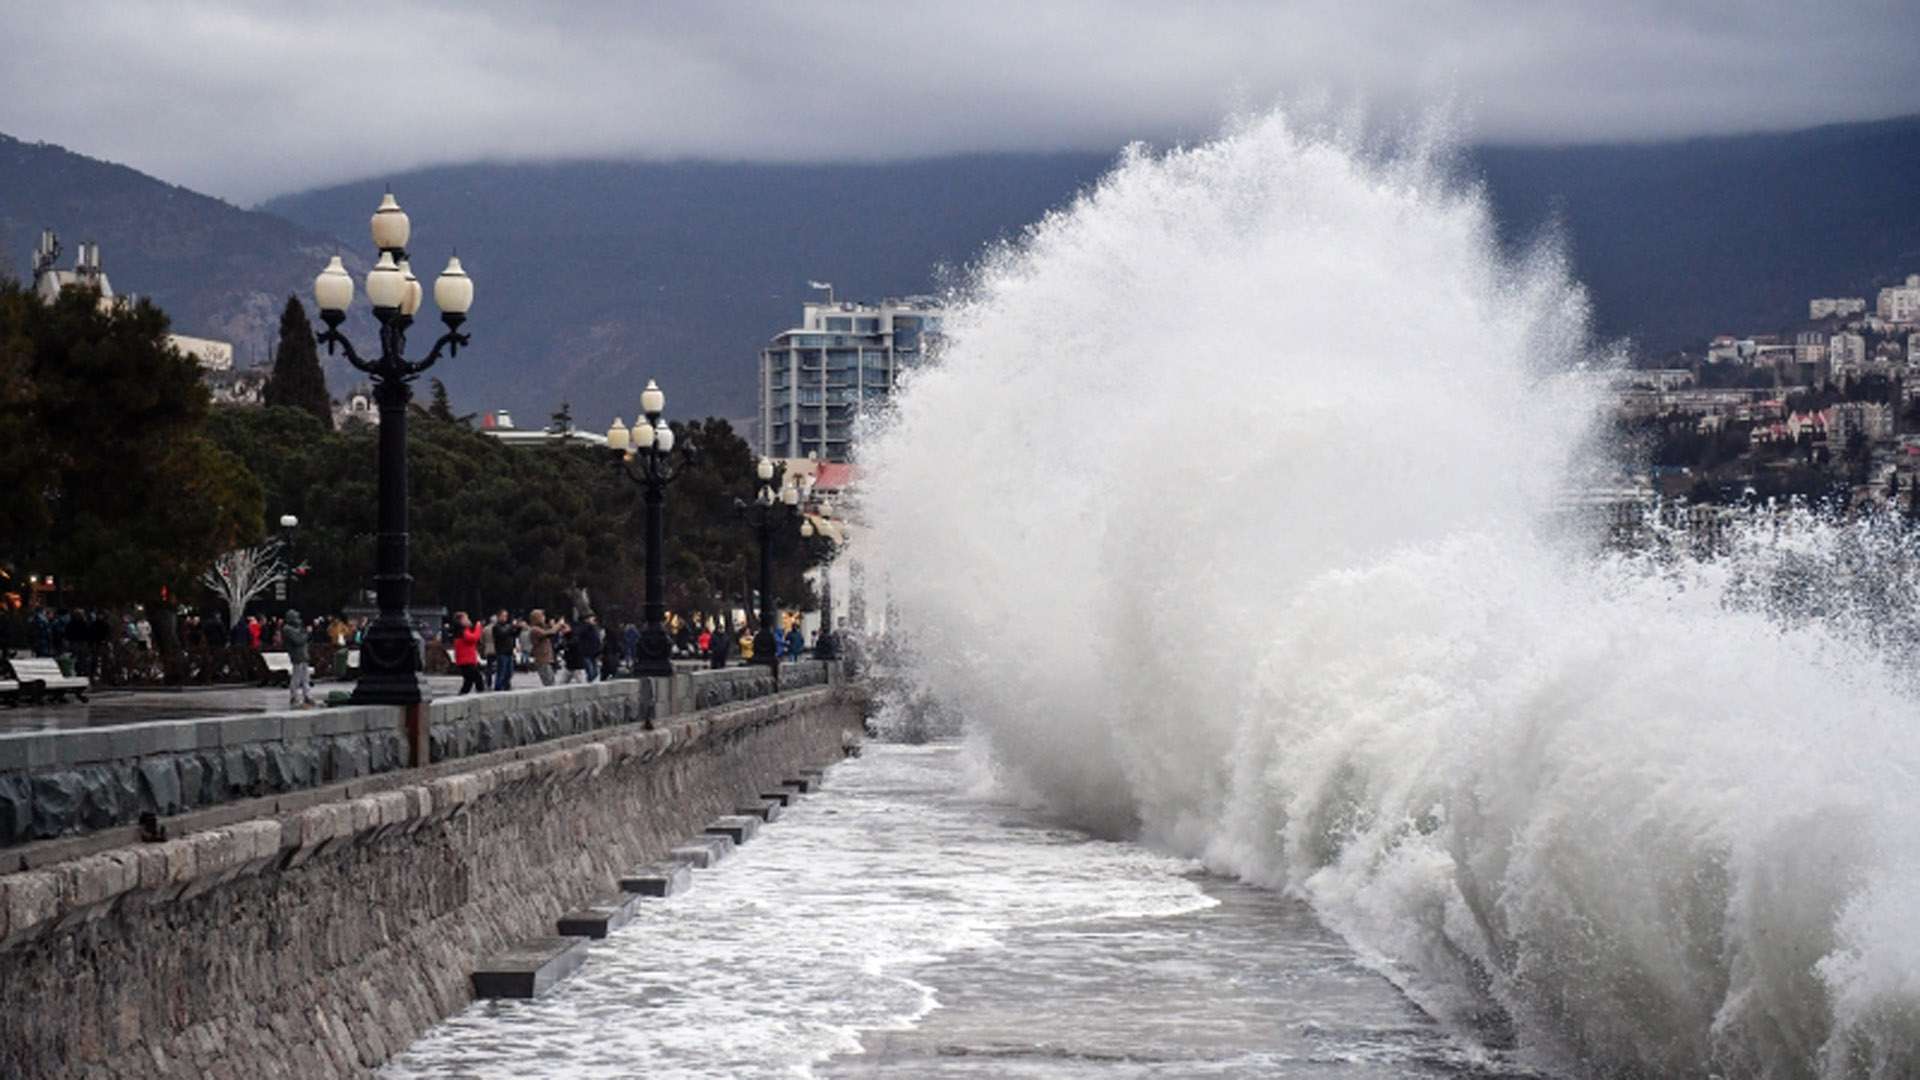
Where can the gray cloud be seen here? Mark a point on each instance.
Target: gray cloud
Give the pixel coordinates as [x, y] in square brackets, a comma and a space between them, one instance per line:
[247, 100]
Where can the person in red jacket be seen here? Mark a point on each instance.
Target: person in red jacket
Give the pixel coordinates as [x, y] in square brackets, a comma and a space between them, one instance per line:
[466, 652]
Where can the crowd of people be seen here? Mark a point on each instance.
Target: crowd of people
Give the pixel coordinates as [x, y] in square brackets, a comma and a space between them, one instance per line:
[486, 652]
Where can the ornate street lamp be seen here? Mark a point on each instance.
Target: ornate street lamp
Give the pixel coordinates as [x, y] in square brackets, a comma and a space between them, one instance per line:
[765, 514]
[645, 455]
[826, 647]
[391, 651]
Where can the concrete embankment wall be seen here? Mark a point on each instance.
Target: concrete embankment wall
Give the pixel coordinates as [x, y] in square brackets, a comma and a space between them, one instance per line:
[318, 942]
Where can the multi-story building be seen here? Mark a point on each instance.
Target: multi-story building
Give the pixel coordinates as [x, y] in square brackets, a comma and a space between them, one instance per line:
[1810, 347]
[1900, 303]
[1847, 353]
[842, 360]
[1827, 307]
[1871, 419]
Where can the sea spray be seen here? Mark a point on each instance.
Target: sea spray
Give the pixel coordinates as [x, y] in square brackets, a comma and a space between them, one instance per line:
[1220, 520]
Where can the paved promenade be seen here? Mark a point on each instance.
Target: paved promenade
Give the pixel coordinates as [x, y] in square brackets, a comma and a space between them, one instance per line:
[108, 707]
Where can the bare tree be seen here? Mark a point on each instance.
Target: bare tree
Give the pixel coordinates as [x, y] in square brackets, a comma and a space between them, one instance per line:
[239, 575]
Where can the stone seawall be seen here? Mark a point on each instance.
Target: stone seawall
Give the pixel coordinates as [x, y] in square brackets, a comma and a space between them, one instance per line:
[84, 780]
[318, 943]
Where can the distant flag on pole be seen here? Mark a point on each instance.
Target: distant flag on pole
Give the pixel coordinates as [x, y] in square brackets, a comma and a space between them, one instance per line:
[827, 285]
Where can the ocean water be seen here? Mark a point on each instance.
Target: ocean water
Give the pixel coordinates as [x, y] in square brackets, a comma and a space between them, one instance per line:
[910, 923]
[1224, 521]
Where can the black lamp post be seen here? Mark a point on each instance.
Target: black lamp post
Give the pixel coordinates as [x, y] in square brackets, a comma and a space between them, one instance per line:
[827, 646]
[646, 457]
[765, 514]
[391, 651]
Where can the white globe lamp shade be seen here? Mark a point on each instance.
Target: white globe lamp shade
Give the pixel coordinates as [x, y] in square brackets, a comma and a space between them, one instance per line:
[288, 521]
[790, 495]
[653, 400]
[664, 439]
[409, 303]
[806, 529]
[643, 435]
[453, 289]
[333, 289]
[617, 435]
[765, 470]
[386, 286]
[391, 228]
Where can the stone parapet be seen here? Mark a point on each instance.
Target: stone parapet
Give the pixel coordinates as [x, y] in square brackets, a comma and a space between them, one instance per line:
[55, 783]
[61, 783]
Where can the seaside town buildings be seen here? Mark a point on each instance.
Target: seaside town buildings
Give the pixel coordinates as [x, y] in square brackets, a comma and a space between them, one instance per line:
[1834, 404]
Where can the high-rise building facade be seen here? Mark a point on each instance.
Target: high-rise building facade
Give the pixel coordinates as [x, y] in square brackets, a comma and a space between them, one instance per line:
[842, 360]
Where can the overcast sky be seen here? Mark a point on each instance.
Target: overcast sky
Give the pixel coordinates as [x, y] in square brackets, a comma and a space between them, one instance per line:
[248, 100]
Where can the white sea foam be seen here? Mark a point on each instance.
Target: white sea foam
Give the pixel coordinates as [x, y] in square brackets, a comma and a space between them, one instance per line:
[1220, 520]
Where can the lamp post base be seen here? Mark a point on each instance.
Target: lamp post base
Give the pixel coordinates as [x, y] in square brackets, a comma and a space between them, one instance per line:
[390, 665]
[391, 688]
[653, 655]
[765, 651]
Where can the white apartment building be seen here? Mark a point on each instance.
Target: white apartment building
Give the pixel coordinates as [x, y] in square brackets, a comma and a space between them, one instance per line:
[1900, 303]
[843, 359]
[1847, 352]
[1871, 418]
[1829, 306]
[1810, 347]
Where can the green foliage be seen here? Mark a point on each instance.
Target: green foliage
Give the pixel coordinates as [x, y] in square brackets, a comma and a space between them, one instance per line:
[297, 381]
[120, 494]
[497, 526]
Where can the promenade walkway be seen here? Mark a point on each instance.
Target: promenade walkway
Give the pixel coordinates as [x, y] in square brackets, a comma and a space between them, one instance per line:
[108, 707]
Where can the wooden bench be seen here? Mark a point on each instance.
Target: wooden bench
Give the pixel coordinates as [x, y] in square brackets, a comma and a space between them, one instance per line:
[47, 671]
[279, 668]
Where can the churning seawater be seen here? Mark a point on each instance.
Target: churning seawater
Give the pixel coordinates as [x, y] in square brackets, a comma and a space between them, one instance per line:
[908, 923]
[1221, 520]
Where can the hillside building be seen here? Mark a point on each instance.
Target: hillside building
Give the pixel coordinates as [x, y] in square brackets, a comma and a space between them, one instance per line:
[49, 281]
[844, 359]
[1828, 307]
[1900, 303]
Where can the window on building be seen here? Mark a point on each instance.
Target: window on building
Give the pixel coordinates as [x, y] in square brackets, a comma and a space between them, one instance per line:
[839, 324]
[866, 326]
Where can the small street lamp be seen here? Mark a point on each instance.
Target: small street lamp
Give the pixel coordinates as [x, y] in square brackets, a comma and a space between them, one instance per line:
[645, 455]
[765, 514]
[390, 655]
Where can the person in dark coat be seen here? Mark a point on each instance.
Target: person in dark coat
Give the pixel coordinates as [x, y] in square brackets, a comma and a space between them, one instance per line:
[719, 647]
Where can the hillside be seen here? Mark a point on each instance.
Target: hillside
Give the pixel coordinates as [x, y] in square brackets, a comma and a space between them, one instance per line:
[595, 276]
[1679, 241]
[219, 271]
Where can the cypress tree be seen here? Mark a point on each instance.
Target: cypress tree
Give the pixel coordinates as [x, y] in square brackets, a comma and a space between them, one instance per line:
[442, 407]
[297, 381]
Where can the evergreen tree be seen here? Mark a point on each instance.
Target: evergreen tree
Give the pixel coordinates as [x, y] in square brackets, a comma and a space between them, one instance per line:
[297, 381]
[442, 407]
[113, 526]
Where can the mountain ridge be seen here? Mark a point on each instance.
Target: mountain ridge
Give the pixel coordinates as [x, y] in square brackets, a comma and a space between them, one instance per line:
[593, 276]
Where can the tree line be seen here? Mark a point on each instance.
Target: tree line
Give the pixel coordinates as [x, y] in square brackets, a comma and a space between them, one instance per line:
[124, 483]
